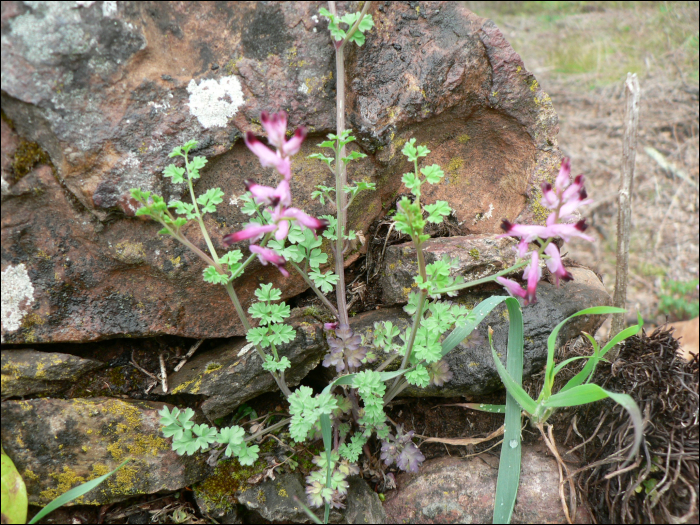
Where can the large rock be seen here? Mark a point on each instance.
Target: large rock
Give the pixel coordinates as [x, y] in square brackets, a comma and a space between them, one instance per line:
[477, 256]
[471, 362]
[26, 372]
[59, 444]
[461, 490]
[95, 96]
[231, 374]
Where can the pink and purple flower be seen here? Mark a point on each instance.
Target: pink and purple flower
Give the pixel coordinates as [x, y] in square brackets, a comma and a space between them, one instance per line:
[564, 199]
[275, 126]
[266, 255]
[279, 199]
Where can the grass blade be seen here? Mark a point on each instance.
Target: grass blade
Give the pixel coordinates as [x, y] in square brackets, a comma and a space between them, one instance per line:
[626, 401]
[582, 394]
[493, 409]
[74, 493]
[552, 340]
[477, 315]
[588, 370]
[578, 395]
[511, 451]
[513, 388]
[307, 510]
[326, 431]
[624, 334]
[561, 365]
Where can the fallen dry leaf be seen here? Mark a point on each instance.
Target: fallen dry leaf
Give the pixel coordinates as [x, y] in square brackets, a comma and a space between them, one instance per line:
[466, 441]
[687, 333]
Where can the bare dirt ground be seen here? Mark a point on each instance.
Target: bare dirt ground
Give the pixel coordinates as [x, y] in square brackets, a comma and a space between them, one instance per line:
[580, 53]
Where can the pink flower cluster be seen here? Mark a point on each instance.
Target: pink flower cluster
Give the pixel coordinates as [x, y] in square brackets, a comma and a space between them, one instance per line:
[279, 199]
[564, 198]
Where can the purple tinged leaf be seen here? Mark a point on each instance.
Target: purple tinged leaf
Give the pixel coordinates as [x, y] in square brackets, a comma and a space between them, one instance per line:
[410, 459]
[439, 373]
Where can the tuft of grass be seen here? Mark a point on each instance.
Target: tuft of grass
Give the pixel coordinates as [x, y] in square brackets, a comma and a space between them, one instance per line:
[601, 41]
[679, 299]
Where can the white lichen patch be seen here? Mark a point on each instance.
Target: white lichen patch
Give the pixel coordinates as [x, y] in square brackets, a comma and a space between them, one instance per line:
[109, 8]
[17, 296]
[483, 216]
[214, 102]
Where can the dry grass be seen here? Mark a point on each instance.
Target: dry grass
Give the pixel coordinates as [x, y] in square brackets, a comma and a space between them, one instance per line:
[581, 53]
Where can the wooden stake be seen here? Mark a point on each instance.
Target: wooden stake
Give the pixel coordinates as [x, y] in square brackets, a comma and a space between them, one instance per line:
[624, 211]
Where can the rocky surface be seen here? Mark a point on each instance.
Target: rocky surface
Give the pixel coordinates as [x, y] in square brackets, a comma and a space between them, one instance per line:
[59, 444]
[461, 490]
[362, 504]
[274, 500]
[95, 96]
[231, 374]
[26, 372]
[477, 256]
[471, 362]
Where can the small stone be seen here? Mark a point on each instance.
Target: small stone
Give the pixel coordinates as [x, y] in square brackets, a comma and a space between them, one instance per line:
[461, 490]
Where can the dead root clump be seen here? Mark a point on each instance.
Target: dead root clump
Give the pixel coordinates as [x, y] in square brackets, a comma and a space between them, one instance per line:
[661, 486]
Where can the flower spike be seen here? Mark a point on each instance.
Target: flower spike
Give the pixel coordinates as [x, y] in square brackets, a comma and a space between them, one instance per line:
[268, 157]
[275, 126]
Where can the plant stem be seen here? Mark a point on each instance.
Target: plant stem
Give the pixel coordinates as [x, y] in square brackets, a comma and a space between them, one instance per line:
[311, 284]
[352, 30]
[490, 278]
[200, 221]
[244, 320]
[409, 345]
[199, 253]
[386, 363]
[269, 429]
[624, 211]
[340, 196]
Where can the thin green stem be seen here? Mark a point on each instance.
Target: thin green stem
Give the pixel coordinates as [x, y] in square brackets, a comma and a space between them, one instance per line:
[421, 259]
[347, 206]
[490, 278]
[311, 284]
[244, 321]
[409, 345]
[185, 241]
[251, 256]
[353, 29]
[239, 272]
[210, 245]
[269, 429]
[387, 363]
[396, 391]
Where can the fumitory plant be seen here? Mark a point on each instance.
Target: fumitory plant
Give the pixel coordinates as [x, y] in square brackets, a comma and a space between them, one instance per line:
[348, 412]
